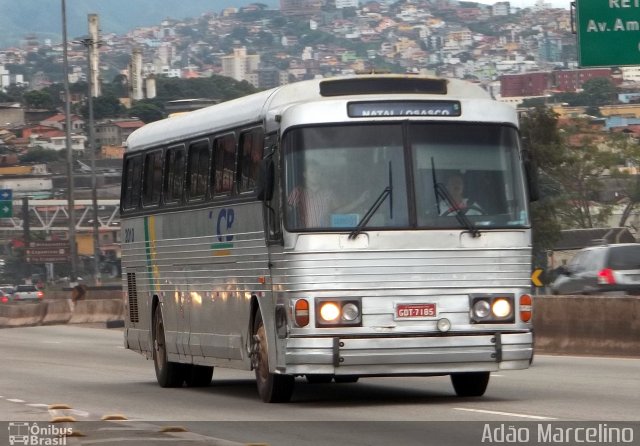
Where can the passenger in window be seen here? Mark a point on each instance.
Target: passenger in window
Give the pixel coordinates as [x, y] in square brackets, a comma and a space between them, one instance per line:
[455, 187]
[311, 202]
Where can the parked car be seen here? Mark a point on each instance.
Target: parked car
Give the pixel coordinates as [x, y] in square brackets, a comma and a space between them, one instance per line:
[27, 293]
[5, 298]
[8, 289]
[601, 269]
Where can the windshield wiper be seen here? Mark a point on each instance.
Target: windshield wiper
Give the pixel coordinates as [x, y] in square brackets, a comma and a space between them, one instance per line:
[442, 191]
[387, 192]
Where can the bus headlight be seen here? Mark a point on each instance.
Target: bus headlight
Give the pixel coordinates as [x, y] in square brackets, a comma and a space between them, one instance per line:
[481, 309]
[329, 311]
[350, 312]
[338, 312]
[491, 308]
[501, 308]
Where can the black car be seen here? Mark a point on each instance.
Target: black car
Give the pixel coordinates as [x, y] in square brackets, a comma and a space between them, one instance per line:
[601, 269]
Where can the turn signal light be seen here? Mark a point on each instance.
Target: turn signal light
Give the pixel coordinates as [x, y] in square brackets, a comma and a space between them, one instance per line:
[526, 308]
[301, 312]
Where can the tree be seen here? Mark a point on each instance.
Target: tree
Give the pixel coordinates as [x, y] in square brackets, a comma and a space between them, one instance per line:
[145, 111]
[120, 86]
[600, 91]
[40, 155]
[38, 99]
[214, 87]
[104, 107]
[580, 175]
[629, 149]
[14, 93]
[541, 138]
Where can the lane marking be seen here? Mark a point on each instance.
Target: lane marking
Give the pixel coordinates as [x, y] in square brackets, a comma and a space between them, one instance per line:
[68, 412]
[37, 405]
[14, 400]
[508, 414]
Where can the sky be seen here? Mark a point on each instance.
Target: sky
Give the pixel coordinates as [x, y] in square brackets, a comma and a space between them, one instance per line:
[523, 3]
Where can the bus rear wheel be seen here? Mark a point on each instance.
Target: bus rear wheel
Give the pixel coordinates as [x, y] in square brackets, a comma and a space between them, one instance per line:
[272, 388]
[470, 383]
[168, 374]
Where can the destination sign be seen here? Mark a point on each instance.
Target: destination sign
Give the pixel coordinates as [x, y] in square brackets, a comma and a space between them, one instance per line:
[403, 108]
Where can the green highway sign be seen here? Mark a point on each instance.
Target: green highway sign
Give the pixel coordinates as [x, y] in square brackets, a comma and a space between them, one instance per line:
[6, 203]
[608, 32]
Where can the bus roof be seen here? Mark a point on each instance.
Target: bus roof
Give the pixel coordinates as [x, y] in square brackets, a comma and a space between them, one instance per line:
[265, 105]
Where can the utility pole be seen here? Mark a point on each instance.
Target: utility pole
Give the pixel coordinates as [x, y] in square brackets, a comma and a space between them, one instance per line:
[91, 44]
[67, 110]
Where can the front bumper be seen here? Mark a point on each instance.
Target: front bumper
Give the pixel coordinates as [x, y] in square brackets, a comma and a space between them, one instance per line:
[386, 356]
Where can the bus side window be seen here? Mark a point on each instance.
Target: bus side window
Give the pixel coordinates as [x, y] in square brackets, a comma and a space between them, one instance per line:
[174, 174]
[251, 148]
[197, 173]
[132, 184]
[224, 154]
[152, 179]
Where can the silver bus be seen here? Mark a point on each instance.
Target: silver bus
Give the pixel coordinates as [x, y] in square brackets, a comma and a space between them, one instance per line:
[315, 230]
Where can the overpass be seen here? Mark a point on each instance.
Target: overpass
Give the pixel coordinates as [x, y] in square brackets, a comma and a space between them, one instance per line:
[53, 215]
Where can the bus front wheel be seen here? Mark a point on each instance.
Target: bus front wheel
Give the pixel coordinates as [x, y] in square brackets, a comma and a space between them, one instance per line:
[168, 374]
[272, 388]
[470, 383]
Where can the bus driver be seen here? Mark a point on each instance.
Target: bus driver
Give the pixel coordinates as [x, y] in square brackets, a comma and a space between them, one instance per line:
[311, 202]
[455, 188]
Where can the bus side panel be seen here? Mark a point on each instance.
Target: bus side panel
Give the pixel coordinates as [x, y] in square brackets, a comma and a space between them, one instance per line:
[204, 265]
[135, 282]
[236, 268]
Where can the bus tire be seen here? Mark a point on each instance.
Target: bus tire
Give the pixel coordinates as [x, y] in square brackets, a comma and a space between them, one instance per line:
[346, 379]
[168, 374]
[470, 383]
[198, 375]
[318, 378]
[272, 388]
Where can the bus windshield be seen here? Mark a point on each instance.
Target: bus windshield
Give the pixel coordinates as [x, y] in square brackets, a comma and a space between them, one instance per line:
[403, 176]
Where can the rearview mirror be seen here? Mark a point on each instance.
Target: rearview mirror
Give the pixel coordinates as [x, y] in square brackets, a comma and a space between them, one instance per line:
[531, 171]
[266, 180]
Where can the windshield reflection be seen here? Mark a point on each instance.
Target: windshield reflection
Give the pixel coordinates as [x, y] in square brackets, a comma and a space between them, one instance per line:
[335, 174]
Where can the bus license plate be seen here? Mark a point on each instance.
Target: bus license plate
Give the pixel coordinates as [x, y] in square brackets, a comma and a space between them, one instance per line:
[409, 311]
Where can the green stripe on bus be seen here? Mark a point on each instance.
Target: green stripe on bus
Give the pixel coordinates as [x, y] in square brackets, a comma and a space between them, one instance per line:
[147, 244]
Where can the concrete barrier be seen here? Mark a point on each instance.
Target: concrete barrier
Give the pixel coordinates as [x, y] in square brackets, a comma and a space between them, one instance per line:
[58, 311]
[97, 310]
[61, 311]
[587, 325]
[22, 314]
